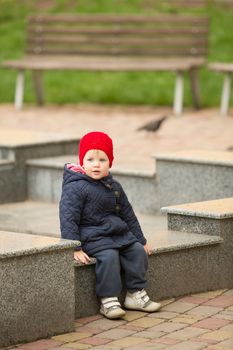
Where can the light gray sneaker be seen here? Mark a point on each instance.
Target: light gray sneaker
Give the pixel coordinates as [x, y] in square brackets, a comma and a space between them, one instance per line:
[111, 308]
[140, 301]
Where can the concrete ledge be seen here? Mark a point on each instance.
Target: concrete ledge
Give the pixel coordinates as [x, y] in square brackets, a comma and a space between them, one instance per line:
[192, 176]
[199, 156]
[16, 245]
[45, 178]
[37, 287]
[179, 249]
[18, 146]
[212, 218]
[216, 209]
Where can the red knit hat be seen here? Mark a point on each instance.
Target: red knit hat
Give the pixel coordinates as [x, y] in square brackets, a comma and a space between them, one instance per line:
[96, 140]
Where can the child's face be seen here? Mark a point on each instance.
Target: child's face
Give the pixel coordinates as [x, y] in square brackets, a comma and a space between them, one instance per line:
[96, 164]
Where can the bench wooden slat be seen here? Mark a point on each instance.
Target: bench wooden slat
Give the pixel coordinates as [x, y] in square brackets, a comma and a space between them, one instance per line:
[141, 51]
[166, 35]
[64, 40]
[103, 63]
[96, 31]
[115, 19]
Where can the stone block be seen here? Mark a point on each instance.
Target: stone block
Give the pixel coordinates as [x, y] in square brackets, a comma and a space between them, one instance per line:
[141, 188]
[194, 176]
[214, 218]
[37, 287]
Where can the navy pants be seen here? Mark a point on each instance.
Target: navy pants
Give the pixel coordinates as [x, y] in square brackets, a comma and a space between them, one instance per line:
[132, 260]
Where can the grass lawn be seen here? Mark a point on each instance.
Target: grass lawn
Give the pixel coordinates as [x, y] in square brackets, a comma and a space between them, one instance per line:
[110, 88]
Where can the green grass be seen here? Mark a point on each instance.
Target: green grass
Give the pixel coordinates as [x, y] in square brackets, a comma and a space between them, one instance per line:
[110, 88]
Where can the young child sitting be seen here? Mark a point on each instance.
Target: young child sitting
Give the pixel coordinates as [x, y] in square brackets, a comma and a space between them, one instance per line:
[94, 210]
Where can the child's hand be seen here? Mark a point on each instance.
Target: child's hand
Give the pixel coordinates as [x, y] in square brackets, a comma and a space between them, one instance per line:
[81, 257]
[147, 249]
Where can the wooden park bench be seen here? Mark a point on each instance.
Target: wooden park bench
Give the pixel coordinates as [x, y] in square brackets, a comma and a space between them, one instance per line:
[173, 43]
[227, 70]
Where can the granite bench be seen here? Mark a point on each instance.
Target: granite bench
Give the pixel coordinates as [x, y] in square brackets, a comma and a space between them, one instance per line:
[16, 146]
[194, 175]
[37, 296]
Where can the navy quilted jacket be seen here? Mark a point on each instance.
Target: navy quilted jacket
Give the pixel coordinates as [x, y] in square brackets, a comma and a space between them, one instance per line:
[97, 213]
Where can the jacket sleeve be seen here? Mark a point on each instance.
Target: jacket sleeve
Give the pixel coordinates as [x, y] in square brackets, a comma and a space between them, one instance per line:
[70, 209]
[128, 215]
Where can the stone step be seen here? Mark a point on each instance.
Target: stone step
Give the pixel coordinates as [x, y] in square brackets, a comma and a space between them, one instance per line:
[214, 218]
[191, 176]
[45, 179]
[8, 181]
[19, 145]
[37, 287]
[43, 219]
[175, 181]
[179, 263]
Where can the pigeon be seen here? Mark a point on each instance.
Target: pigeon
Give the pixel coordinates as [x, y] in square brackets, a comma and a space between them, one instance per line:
[153, 126]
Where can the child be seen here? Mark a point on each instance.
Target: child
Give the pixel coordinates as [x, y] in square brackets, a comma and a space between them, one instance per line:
[94, 209]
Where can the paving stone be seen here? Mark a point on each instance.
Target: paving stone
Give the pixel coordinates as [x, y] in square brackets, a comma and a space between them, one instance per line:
[65, 347]
[146, 322]
[193, 299]
[226, 344]
[179, 307]
[166, 340]
[168, 327]
[211, 323]
[211, 294]
[205, 340]
[43, 344]
[75, 345]
[164, 314]
[88, 319]
[225, 315]
[147, 346]
[187, 333]
[68, 337]
[89, 330]
[95, 341]
[129, 341]
[188, 345]
[167, 301]
[229, 292]
[150, 334]
[204, 311]
[106, 324]
[109, 346]
[133, 315]
[228, 328]
[187, 319]
[220, 301]
[230, 308]
[116, 333]
[132, 327]
[218, 335]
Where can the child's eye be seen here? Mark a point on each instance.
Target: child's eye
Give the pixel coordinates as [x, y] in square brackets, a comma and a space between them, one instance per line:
[90, 159]
[102, 160]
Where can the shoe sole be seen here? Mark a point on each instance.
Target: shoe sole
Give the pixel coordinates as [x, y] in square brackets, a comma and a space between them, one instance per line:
[119, 315]
[141, 309]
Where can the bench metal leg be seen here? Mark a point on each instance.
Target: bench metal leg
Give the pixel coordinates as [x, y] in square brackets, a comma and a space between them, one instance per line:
[37, 80]
[195, 88]
[226, 92]
[19, 90]
[179, 93]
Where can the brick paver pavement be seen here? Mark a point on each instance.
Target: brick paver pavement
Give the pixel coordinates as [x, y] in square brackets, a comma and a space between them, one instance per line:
[201, 321]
